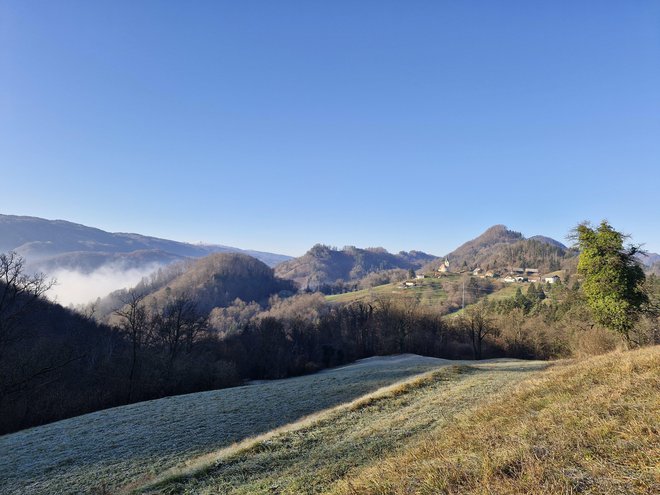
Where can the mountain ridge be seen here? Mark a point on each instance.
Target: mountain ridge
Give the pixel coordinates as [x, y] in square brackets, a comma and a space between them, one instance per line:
[498, 248]
[326, 266]
[42, 242]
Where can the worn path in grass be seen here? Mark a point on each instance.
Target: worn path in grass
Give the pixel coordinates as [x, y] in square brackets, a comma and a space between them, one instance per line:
[117, 446]
[312, 455]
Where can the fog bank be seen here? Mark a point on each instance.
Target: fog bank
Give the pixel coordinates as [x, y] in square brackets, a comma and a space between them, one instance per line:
[74, 287]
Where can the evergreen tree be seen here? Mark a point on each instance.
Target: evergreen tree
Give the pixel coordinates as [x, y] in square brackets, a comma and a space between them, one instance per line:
[520, 301]
[612, 277]
[532, 293]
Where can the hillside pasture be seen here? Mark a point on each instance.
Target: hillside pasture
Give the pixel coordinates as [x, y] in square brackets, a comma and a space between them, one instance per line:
[312, 455]
[587, 426]
[100, 451]
[427, 292]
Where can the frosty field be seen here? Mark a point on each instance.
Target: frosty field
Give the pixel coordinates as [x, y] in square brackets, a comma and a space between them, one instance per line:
[104, 450]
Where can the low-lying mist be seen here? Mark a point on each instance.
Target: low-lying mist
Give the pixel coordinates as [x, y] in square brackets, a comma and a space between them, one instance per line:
[75, 287]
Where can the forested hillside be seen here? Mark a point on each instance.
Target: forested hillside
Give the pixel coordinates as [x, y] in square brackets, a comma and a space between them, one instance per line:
[500, 249]
[213, 281]
[331, 270]
[217, 321]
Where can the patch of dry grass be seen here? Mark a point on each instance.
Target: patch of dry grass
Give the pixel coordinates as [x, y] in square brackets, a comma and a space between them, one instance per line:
[311, 455]
[591, 426]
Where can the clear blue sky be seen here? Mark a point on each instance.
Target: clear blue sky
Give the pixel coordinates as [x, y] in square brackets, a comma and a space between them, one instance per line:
[275, 125]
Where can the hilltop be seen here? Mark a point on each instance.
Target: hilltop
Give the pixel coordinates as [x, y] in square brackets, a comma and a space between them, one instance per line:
[326, 266]
[650, 262]
[500, 249]
[218, 279]
[497, 249]
[213, 281]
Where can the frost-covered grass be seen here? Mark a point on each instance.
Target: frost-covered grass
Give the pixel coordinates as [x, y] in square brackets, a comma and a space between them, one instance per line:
[100, 451]
[590, 426]
[315, 454]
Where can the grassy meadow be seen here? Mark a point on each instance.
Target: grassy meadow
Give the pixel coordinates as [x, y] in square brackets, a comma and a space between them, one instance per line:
[312, 455]
[427, 291]
[388, 425]
[100, 451]
[591, 426]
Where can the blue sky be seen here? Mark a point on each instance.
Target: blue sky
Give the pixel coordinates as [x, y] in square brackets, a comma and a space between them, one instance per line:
[277, 125]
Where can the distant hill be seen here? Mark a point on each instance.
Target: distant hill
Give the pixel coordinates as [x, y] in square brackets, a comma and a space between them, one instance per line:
[323, 265]
[650, 262]
[651, 259]
[50, 245]
[548, 240]
[213, 281]
[499, 248]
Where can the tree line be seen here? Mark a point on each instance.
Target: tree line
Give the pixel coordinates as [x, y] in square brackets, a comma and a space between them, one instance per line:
[56, 363]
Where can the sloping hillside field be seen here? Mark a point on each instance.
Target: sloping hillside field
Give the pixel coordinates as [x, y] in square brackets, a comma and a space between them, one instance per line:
[312, 455]
[589, 427]
[395, 425]
[126, 445]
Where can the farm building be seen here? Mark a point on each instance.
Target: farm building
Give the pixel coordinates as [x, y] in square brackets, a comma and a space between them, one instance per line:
[444, 268]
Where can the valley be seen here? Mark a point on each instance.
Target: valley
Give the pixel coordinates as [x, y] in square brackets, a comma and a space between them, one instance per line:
[329, 248]
[222, 374]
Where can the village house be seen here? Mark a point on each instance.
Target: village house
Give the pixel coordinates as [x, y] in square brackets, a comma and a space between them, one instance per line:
[444, 268]
[551, 280]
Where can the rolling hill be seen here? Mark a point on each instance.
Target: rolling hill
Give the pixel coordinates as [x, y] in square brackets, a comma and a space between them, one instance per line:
[49, 245]
[213, 281]
[501, 249]
[589, 426]
[326, 266]
[427, 292]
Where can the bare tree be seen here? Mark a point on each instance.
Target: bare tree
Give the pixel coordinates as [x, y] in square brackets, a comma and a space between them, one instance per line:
[19, 296]
[478, 326]
[135, 325]
[18, 293]
[177, 327]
